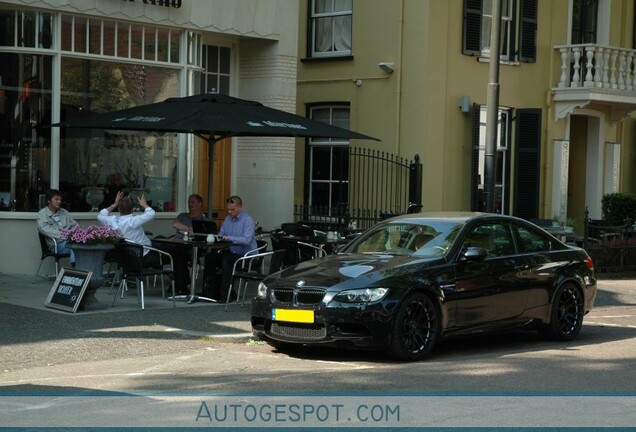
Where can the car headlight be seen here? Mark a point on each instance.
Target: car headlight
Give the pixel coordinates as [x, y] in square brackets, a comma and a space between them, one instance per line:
[364, 295]
[262, 290]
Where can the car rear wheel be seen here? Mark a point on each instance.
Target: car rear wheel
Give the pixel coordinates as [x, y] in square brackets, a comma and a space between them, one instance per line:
[567, 313]
[415, 328]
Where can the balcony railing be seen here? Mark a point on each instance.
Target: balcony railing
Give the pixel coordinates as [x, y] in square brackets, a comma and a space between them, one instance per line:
[597, 66]
[595, 73]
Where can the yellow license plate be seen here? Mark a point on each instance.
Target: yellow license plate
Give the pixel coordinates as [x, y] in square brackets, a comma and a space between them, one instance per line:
[293, 315]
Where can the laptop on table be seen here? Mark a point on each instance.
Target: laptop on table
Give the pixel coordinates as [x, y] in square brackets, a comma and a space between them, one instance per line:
[201, 228]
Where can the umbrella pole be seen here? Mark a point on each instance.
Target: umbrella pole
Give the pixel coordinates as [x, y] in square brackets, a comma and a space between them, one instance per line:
[211, 142]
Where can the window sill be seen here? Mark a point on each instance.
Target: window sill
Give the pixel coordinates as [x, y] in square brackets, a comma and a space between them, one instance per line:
[326, 59]
[501, 62]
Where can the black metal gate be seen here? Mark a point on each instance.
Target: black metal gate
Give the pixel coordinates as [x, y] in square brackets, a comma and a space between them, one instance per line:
[380, 185]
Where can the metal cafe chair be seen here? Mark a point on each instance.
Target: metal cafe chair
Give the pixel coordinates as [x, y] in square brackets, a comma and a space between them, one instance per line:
[131, 260]
[46, 252]
[253, 268]
[310, 251]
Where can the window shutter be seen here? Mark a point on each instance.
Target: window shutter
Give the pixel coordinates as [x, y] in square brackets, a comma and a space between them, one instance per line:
[528, 161]
[475, 196]
[528, 33]
[471, 39]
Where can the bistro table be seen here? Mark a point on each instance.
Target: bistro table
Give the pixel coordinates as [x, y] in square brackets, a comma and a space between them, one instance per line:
[195, 245]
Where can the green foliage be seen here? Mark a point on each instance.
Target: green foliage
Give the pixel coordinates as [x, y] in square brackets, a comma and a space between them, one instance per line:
[619, 206]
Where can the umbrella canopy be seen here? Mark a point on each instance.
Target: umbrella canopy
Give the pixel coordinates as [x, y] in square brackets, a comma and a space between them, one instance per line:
[211, 117]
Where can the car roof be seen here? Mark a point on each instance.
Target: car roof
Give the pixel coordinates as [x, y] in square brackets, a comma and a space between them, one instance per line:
[457, 216]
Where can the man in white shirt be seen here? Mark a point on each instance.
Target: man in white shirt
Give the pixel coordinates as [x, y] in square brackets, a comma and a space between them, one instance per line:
[130, 226]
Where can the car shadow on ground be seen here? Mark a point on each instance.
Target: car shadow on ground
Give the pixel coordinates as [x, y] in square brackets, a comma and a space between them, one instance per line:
[498, 344]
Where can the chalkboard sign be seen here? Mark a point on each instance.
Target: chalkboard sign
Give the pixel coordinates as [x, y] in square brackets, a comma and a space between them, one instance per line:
[68, 289]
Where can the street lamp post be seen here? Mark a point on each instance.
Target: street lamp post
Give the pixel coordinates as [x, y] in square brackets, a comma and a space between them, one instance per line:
[492, 110]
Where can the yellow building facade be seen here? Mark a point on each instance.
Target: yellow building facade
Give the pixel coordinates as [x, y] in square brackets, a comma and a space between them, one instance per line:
[415, 74]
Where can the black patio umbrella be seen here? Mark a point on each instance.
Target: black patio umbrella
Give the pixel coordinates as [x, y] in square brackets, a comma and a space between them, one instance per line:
[212, 117]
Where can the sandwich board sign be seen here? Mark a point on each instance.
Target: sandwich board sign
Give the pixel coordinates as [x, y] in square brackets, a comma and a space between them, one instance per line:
[68, 289]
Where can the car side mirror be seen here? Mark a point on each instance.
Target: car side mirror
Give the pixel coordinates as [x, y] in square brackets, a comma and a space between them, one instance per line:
[473, 253]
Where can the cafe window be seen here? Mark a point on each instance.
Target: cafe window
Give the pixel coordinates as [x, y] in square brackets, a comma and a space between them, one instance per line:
[25, 29]
[97, 36]
[216, 78]
[328, 162]
[330, 28]
[100, 163]
[25, 142]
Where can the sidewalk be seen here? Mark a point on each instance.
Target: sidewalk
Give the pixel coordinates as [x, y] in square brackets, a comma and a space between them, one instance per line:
[21, 301]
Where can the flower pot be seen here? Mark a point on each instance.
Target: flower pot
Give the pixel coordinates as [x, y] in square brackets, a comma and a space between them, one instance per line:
[91, 258]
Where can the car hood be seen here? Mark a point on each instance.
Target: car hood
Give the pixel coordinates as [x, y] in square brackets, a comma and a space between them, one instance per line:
[346, 271]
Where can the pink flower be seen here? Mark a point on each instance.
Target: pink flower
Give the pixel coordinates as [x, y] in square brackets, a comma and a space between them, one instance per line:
[92, 234]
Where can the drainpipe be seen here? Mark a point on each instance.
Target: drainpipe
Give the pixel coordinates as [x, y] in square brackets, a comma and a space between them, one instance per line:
[492, 110]
[398, 84]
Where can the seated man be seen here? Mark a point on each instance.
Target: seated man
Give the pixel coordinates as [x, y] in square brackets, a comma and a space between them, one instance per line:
[238, 228]
[53, 219]
[180, 256]
[130, 226]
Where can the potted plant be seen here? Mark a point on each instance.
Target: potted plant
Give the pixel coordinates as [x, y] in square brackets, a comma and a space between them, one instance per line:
[570, 224]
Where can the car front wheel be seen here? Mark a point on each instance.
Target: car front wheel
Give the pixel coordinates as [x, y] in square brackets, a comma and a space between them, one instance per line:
[566, 317]
[415, 329]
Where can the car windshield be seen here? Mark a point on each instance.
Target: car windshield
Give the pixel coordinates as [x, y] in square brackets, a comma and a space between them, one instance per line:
[425, 238]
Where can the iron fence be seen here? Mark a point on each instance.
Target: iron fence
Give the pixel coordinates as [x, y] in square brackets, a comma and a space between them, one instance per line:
[380, 185]
[610, 244]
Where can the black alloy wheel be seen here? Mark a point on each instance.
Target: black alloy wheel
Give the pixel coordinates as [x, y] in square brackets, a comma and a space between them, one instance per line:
[415, 328]
[566, 318]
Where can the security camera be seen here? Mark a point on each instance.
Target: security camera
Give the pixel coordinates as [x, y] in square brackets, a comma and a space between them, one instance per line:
[386, 67]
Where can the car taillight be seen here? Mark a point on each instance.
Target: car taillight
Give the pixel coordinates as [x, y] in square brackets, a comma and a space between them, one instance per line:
[589, 263]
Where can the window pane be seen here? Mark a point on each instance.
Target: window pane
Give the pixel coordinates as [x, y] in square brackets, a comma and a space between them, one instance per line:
[115, 161]
[340, 164]
[224, 84]
[136, 32]
[94, 36]
[163, 43]
[45, 30]
[123, 40]
[109, 38]
[212, 85]
[174, 46]
[213, 59]
[339, 193]
[320, 194]
[321, 163]
[149, 43]
[322, 6]
[80, 35]
[7, 28]
[340, 117]
[224, 60]
[26, 29]
[67, 33]
[25, 146]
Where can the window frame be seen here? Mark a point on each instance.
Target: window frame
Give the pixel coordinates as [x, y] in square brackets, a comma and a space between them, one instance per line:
[504, 146]
[312, 17]
[519, 38]
[332, 144]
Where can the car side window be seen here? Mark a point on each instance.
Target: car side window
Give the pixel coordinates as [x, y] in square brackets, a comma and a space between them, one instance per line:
[494, 237]
[531, 241]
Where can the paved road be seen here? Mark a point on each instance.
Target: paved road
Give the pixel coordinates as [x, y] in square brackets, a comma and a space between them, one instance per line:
[203, 350]
[189, 350]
